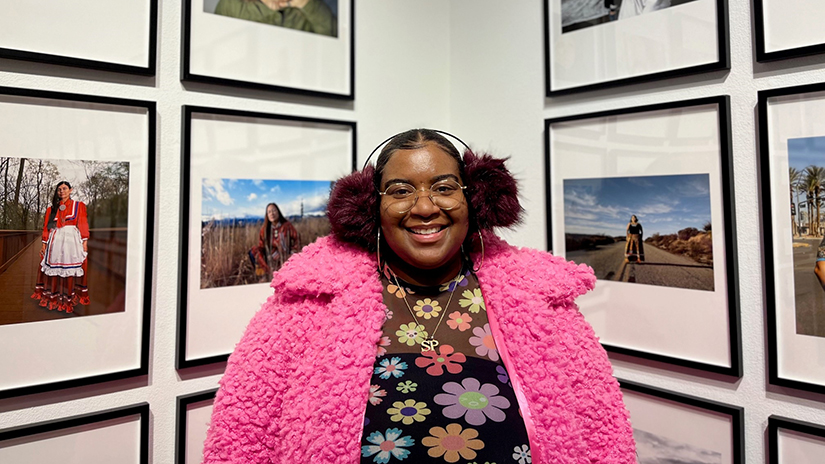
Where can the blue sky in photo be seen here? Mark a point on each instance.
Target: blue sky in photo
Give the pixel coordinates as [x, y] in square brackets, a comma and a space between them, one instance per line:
[238, 198]
[806, 151]
[663, 204]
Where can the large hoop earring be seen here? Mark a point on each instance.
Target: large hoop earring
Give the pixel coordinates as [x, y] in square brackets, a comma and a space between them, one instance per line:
[482, 251]
[378, 249]
[480, 238]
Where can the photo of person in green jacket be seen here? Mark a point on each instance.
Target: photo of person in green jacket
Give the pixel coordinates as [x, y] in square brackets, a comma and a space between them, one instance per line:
[317, 16]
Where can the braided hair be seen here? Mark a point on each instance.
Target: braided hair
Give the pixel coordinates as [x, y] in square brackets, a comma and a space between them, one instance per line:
[52, 224]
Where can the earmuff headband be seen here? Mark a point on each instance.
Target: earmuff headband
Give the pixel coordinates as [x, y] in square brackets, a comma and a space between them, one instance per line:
[467, 147]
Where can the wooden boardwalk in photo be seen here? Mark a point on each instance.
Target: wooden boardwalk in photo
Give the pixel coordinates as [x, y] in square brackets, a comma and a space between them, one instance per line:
[106, 281]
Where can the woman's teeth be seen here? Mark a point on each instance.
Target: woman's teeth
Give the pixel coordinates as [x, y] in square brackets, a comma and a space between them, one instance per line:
[431, 230]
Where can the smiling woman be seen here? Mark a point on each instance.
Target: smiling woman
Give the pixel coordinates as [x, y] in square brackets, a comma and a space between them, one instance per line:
[418, 332]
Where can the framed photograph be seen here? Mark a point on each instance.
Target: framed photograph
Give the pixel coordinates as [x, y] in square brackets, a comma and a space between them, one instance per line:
[671, 427]
[194, 414]
[792, 168]
[787, 29]
[118, 435]
[645, 197]
[594, 44]
[794, 442]
[94, 34]
[77, 183]
[255, 190]
[296, 46]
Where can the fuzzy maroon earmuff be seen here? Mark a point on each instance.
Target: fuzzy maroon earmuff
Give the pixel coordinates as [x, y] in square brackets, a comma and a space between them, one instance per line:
[353, 208]
[492, 193]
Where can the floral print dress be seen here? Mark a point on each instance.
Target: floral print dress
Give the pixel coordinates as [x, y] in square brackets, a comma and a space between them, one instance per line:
[451, 404]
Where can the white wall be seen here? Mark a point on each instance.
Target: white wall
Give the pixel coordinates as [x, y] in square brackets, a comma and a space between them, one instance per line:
[474, 67]
[402, 81]
[497, 102]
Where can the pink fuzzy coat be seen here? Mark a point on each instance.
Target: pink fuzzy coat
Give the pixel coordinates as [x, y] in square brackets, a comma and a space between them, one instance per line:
[295, 389]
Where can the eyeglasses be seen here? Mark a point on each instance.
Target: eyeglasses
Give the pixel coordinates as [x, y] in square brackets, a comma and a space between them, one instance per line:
[446, 194]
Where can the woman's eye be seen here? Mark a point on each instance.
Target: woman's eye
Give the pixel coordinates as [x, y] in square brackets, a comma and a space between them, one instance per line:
[402, 191]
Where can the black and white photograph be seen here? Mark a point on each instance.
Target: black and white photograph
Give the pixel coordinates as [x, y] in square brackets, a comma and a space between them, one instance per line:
[313, 16]
[787, 29]
[672, 428]
[652, 230]
[578, 14]
[644, 196]
[77, 180]
[658, 449]
[792, 176]
[93, 34]
[255, 192]
[792, 441]
[300, 47]
[597, 44]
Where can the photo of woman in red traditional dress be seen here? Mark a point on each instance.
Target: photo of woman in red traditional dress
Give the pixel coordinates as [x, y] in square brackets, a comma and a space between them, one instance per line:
[62, 279]
[277, 241]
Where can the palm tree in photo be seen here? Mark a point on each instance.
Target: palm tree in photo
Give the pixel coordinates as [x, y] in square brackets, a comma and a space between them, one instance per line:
[795, 178]
[814, 183]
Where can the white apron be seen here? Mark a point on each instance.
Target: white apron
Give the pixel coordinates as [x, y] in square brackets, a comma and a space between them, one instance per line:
[64, 253]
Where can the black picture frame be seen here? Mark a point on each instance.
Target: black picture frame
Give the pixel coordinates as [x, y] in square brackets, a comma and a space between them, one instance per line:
[181, 422]
[147, 272]
[48, 58]
[778, 422]
[762, 55]
[736, 413]
[766, 184]
[723, 62]
[57, 425]
[188, 75]
[182, 361]
[728, 214]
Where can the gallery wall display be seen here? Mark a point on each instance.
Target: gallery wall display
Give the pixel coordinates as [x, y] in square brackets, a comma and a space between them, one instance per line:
[787, 29]
[76, 229]
[114, 436]
[95, 34]
[193, 416]
[671, 427]
[645, 197]
[593, 44]
[794, 442]
[792, 167]
[298, 46]
[254, 191]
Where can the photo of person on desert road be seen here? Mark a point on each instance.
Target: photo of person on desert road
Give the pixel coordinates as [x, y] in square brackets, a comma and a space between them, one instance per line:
[634, 249]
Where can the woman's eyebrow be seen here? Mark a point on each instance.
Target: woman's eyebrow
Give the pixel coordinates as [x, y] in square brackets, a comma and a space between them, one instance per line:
[433, 180]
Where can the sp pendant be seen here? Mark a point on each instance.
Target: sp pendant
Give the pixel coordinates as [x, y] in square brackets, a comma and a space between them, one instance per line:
[429, 345]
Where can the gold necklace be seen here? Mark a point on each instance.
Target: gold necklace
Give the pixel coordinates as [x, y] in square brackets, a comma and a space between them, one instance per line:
[429, 343]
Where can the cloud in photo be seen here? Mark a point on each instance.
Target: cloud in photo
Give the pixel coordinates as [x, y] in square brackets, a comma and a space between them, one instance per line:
[663, 204]
[248, 198]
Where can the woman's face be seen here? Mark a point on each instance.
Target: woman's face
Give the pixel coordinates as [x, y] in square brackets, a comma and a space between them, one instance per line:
[64, 192]
[633, 219]
[272, 213]
[425, 237]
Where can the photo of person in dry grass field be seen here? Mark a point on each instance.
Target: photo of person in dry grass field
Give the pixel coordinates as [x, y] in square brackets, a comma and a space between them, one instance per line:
[250, 227]
[806, 171]
[579, 14]
[675, 247]
[63, 231]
